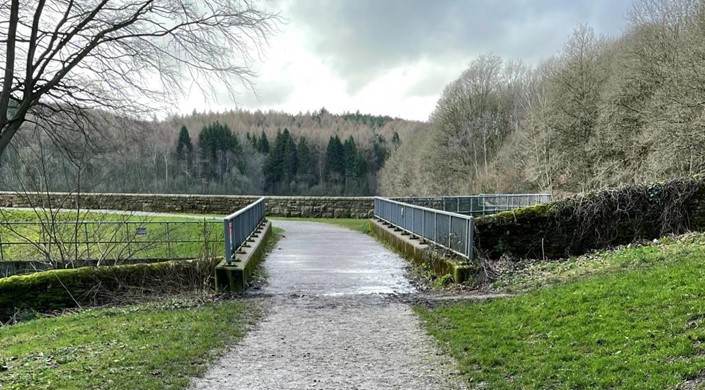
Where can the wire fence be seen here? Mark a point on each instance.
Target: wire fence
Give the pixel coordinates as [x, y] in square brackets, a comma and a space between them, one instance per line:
[478, 205]
[448, 230]
[55, 241]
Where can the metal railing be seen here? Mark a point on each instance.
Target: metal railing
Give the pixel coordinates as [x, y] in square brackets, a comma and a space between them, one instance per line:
[448, 230]
[108, 240]
[239, 226]
[478, 205]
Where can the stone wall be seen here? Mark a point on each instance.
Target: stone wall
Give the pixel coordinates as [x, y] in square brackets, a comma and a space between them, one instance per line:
[596, 220]
[277, 206]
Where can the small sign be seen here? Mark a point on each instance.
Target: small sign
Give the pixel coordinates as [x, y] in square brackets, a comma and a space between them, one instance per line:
[141, 231]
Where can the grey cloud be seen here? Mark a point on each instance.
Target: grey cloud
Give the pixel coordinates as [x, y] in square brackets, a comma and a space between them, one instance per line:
[359, 39]
[270, 93]
[432, 81]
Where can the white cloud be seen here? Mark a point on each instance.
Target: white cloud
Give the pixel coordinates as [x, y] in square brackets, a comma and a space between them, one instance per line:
[389, 59]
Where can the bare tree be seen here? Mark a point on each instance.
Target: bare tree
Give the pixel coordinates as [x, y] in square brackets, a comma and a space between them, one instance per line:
[66, 56]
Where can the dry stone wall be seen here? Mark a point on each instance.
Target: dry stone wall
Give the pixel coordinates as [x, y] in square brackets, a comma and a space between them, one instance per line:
[593, 221]
[277, 206]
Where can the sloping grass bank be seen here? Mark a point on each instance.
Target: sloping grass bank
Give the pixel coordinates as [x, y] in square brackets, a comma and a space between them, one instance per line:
[636, 321]
[148, 346]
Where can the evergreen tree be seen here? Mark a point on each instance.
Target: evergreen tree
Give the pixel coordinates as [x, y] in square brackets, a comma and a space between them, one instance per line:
[334, 168]
[219, 151]
[305, 162]
[184, 147]
[350, 157]
[253, 141]
[380, 152]
[274, 163]
[263, 144]
[290, 160]
[396, 141]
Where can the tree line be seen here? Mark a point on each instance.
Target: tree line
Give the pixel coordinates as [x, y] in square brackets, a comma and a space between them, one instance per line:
[271, 154]
[604, 111]
[287, 165]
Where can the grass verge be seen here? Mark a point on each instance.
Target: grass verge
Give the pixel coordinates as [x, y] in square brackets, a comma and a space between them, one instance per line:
[358, 225]
[147, 346]
[77, 235]
[634, 319]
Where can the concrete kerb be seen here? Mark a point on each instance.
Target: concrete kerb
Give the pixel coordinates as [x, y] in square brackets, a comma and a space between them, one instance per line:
[236, 276]
[420, 253]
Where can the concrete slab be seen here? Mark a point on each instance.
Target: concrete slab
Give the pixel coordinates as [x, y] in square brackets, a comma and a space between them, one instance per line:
[326, 260]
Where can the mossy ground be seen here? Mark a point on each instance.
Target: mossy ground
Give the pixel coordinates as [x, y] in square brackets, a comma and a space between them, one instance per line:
[146, 346]
[630, 318]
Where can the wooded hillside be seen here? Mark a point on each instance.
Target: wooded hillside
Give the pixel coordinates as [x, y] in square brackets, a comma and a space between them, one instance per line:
[236, 152]
[604, 111]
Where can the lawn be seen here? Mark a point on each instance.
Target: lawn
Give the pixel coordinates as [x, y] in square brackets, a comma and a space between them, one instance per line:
[147, 346]
[633, 320]
[91, 235]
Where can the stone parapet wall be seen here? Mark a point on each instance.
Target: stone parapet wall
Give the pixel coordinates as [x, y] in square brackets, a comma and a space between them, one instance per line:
[594, 221]
[277, 206]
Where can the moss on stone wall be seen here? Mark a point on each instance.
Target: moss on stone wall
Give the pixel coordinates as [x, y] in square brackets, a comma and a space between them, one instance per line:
[65, 288]
[594, 220]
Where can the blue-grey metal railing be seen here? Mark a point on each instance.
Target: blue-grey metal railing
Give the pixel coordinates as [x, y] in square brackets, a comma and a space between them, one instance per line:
[448, 230]
[478, 205]
[240, 225]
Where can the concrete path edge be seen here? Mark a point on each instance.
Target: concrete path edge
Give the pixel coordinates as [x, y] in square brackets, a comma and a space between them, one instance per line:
[237, 275]
[412, 248]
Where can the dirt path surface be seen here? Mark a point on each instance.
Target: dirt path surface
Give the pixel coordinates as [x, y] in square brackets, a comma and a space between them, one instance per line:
[334, 321]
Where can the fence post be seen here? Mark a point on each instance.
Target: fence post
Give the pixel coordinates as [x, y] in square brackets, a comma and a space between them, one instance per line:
[2, 254]
[88, 245]
[168, 242]
[205, 239]
[127, 238]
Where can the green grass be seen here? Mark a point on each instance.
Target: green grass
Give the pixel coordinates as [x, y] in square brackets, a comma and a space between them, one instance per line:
[358, 225]
[148, 346]
[636, 320]
[105, 236]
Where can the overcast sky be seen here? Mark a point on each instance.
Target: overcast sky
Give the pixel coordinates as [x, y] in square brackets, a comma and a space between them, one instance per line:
[393, 57]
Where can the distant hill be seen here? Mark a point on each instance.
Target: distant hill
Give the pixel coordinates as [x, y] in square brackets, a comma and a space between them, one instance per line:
[317, 126]
[313, 153]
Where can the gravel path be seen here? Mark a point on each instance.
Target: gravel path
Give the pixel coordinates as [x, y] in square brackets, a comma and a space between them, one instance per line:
[334, 321]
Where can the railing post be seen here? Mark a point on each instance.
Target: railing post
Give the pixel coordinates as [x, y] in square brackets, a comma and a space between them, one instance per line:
[450, 226]
[471, 239]
[226, 233]
[435, 227]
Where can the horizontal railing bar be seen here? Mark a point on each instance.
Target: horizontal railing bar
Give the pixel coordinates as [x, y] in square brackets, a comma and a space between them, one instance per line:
[243, 210]
[449, 213]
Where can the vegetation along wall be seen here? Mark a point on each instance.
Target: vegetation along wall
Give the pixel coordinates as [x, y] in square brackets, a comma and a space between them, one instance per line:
[594, 220]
